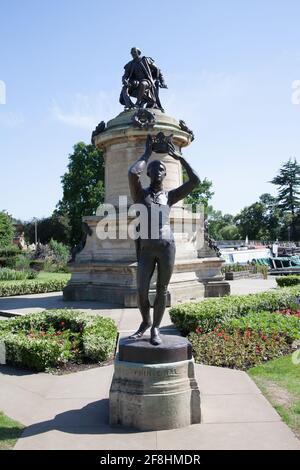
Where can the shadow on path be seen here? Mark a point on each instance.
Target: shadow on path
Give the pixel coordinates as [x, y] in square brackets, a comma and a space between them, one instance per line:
[51, 301]
[91, 419]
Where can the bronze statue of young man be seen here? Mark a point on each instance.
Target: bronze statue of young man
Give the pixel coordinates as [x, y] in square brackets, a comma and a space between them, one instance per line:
[141, 80]
[160, 249]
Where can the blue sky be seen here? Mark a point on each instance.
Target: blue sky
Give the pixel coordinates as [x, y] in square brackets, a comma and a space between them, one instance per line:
[229, 66]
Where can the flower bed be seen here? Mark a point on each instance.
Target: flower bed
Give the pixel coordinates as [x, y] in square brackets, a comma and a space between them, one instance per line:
[211, 312]
[241, 331]
[54, 338]
[239, 350]
[233, 275]
[267, 323]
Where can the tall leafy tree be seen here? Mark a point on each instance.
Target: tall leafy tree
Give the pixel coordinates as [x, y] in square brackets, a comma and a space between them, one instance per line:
[221, 227]
[251, 221]
[6, 229]
[288, 183]
[200, 195]
[56, 227]
[83, 187]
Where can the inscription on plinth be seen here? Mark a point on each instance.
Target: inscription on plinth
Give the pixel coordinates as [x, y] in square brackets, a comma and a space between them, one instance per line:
[154, 396]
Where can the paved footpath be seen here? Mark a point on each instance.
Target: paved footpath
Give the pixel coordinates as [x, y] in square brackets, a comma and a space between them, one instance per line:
[71, 411]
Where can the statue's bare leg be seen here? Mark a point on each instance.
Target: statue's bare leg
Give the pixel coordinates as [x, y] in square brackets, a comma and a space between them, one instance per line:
[146, 266]
[165, 265]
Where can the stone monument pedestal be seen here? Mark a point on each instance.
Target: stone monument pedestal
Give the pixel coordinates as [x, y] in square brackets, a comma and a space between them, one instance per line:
[154, 387]
[105, 270]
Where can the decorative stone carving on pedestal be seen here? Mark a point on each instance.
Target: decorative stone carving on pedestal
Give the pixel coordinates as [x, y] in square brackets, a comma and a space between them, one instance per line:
[105, 270]
[154, 387]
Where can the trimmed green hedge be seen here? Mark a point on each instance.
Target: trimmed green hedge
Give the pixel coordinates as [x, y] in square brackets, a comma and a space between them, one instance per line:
[286, 281]
[54, 337]
[8, 288]
[209, 313]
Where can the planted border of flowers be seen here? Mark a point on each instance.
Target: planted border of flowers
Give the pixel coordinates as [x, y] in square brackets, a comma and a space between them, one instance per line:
[55, 337]
[238, 350]
[212, 312]
[9, 288]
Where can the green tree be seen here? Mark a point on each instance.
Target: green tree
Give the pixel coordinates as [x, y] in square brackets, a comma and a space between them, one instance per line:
[200, 195]
[221, 227]
[6, 230]
[83, 187]
[251, 221]
[229, 232]
[288, 181]
[272, 217]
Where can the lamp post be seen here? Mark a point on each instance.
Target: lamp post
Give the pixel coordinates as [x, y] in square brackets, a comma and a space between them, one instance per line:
[35, 231]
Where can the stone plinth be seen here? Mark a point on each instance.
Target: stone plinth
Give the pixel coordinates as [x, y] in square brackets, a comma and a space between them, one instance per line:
[105, 270]
[154, 387]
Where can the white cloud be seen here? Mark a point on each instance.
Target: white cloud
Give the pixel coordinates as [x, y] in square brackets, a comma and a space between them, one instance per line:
[11, 120]
[86, 111]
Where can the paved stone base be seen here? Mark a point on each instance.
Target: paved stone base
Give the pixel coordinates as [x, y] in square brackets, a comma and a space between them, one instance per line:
[154, 397]
[115, 283]
[70, 412]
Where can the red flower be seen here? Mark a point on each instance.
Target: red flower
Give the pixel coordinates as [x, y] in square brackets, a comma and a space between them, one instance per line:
[264, 337]
[199, 330]
[257, 349]
[62, 323]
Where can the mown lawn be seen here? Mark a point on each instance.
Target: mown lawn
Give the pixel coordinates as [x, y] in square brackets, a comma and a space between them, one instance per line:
[279, 381]
[10, 431]
[45, 276]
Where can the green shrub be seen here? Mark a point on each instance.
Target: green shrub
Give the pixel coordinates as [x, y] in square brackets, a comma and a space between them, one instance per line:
[22, 262]
[54, 337]
[240, 350]
[6, 229]
[9, 251]
[8, 288]
[37, 264]
[55, 267]
[7, 274]
[267, 323]
[285, 281]
[209, 313]
[61, 251]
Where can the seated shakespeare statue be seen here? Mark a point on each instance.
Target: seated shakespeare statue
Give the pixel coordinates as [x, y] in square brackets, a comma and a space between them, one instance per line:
[156, 244]
[141, 80]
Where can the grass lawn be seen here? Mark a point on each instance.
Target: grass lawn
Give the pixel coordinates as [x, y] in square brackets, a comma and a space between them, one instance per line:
[45, 282]
[279, 381]
[45, 276]
[10, 431]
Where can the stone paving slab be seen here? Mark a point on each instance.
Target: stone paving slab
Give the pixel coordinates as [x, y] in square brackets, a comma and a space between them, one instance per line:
[71, 412]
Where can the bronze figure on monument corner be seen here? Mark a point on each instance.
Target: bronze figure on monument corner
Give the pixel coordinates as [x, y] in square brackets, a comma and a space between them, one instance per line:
[156, 244]
[141, 80]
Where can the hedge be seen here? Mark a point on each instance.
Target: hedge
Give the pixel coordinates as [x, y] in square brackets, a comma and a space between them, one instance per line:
[285, 281]
[54, 337]
[9, 256]
[8, 288]
[7, 274]
[209, 313]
